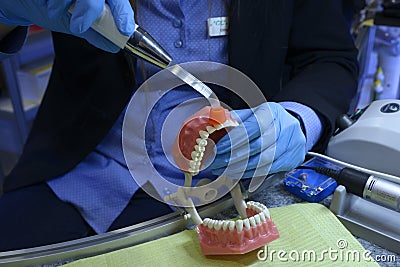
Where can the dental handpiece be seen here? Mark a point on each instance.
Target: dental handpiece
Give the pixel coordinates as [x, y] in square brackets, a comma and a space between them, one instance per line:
[374, 189]
[365, 185]
[143, 45]
[140, 43]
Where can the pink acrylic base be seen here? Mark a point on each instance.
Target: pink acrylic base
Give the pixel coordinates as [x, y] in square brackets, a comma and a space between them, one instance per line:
[223, 242]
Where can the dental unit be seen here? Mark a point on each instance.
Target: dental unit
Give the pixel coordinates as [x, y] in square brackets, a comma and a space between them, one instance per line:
[192, 146]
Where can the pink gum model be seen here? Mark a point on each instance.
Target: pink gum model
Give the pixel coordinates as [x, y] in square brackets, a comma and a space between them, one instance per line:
[234, 237]
[216, 237]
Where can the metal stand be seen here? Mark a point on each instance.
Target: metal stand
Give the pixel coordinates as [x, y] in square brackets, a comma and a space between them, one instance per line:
[111, 241]
[118, 239]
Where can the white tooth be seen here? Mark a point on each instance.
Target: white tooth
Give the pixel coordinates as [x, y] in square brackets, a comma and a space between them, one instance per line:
[257, 209]
[204, 134]
[225, 225]
[262, 217]
[195, 164]
[239, 225]
[250, 203]
[231, 225]
[246, 223]
[262, 206]
[201, 142]
[217, 225]
[195, 154]
[199, 148]
[253, 207]
[192, 164]
[219, 126]
[210, 129]
[266, 212]
[210, 223]
[257, 219]
[230, 123]
[198, 158]
[205, 221]
[252, 221]
[225, 124]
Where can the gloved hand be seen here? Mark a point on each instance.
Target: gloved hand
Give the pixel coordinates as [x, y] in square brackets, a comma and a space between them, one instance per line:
[275, 143]
[53, 15]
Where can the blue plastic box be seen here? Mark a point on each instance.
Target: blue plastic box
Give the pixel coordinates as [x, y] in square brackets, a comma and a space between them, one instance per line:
[310, 185]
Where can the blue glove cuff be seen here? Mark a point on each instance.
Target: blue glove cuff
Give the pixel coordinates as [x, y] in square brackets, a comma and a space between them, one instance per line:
[297, 116]
[311, 122]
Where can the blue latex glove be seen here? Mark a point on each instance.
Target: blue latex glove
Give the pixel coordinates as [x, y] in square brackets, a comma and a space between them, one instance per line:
[53, 15]
[275, 143]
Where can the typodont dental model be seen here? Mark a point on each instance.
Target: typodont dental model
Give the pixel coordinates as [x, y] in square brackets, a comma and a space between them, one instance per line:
[193, 144]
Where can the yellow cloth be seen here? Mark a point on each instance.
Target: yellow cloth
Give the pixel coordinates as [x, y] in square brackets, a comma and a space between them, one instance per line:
[304, 229]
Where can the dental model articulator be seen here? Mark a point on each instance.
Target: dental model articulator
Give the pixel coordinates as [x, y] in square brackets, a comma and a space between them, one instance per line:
[192, 146]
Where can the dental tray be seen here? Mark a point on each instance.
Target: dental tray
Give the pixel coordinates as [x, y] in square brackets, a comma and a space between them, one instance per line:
[367, 220]
[308, 184]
